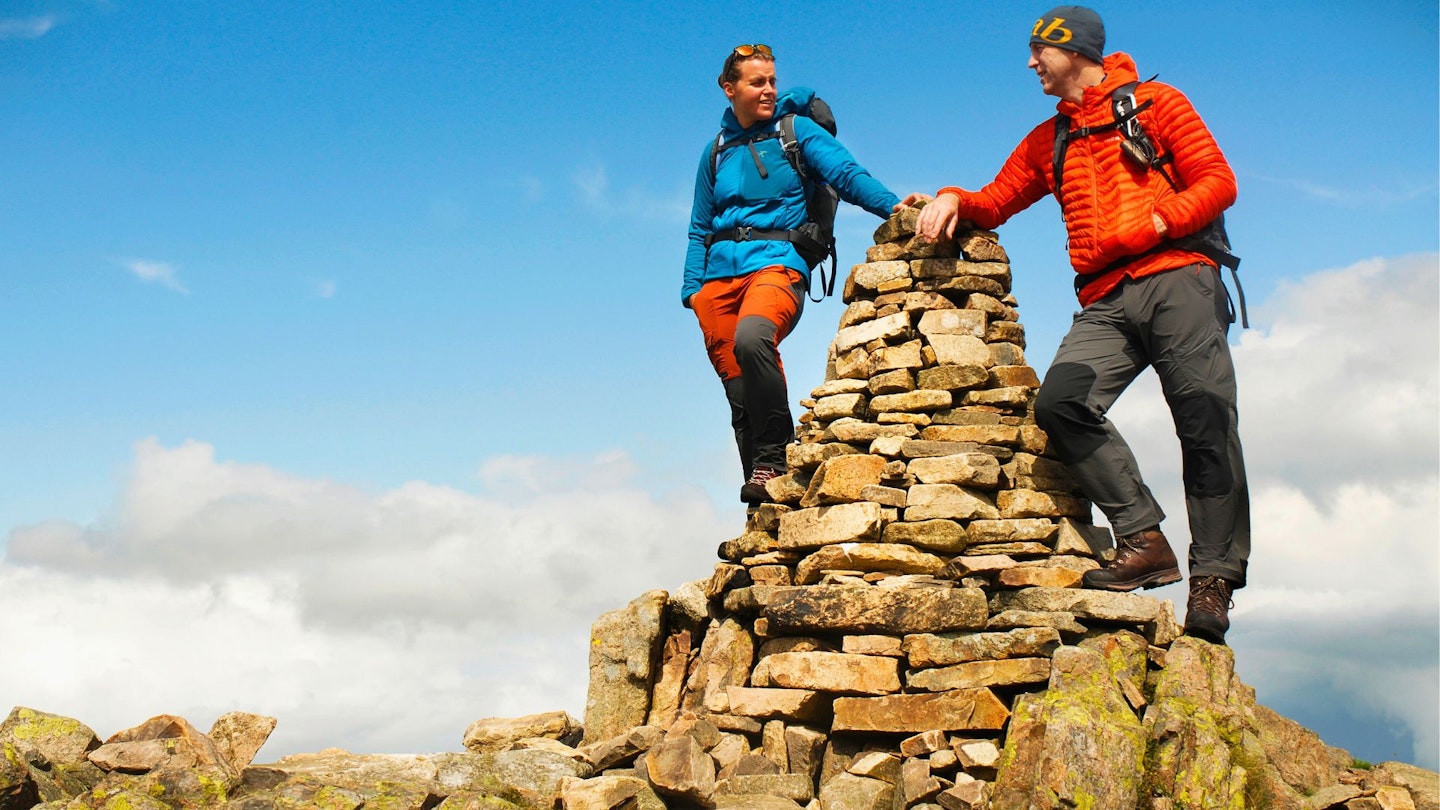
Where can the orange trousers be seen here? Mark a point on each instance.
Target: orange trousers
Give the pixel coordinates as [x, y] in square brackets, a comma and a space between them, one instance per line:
[743, 320]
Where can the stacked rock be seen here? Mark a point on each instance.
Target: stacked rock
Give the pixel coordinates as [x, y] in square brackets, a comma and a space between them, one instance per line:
[866, 640]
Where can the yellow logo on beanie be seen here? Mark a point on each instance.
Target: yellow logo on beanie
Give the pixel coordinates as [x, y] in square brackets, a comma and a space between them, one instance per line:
[1055, 34]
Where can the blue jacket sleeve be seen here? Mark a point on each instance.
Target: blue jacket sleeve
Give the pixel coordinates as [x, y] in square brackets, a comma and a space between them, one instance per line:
[702, 217]
[835, 164]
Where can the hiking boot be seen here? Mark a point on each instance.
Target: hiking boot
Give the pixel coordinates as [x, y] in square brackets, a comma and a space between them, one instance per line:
[754, 490]
[1142, 559]
[1207, 614]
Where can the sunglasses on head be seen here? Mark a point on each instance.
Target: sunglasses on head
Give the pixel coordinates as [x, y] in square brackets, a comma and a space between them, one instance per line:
[744, 51]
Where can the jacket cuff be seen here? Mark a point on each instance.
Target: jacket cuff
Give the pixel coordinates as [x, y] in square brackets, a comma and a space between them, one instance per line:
[958, 192]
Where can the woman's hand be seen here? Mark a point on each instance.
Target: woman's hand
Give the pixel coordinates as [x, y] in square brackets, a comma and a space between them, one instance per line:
[914, 197]
[938, 218]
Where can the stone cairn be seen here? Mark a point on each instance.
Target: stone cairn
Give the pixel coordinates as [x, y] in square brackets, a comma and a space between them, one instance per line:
[906, 628]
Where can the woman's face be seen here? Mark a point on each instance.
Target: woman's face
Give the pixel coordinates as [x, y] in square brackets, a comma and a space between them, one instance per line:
[752, 95]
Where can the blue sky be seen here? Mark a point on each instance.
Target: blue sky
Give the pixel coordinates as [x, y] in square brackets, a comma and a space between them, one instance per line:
[335, 260]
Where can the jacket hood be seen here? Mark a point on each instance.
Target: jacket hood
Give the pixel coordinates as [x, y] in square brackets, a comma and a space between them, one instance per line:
[1119, 70]
[794, 100]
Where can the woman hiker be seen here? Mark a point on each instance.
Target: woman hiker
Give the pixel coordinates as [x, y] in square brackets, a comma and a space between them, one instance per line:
[744, 277]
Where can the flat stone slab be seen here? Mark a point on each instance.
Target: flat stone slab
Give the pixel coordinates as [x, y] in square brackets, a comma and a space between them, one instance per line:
[975, 674]
[958, 710]
[935, 650]
[833, 672]
[890, 557]
[828, 525]
[1083, 603]
[777, 703]
[889, 611]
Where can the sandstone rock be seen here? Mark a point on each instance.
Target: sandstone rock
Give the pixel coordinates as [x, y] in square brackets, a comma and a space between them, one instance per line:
[1053, 739]
[953, 322]
[792, 786]
[43, 757]
[239, 736]
[840, 406]
[838, 673]
[845, 609]
[1082, 603]
[607, 792]
[726, 656]
[873, 274]
[898, 381]
[975, 674]
[841, 479]
[885, 496]
[771, 703]
[966, 469]
[493, 734]
[1012, 619]
[887, 328]
[971, 794]
[916, 783]
[624, 654]
[960, 710]
[1297, 752]
[850, 792]
[960, 350]
[1193, 724]
[1034, 577]
[867, 557]
[876, 765]
[827, 525]
[669, 687]
[954, 377]
[1424, 785]
[1001, 435]
[1027, 503]
[889, 646]
[932, 650]
[943, 536]
[978, 754]
[754, 802]
[622, 749]
[947, 501]
[679, 767]
[924, 399]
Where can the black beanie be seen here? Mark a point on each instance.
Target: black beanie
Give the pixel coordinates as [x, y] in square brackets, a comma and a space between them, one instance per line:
[1074, 28]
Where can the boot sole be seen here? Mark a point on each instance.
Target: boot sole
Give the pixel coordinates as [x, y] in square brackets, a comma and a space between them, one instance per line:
[1202, 631]
[1154, 579]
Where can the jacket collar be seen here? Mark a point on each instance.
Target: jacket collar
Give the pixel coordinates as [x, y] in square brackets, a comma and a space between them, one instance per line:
[1119, 70]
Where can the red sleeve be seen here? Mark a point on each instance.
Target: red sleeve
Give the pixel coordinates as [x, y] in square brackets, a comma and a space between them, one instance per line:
[1207, 185]
[1023, 180]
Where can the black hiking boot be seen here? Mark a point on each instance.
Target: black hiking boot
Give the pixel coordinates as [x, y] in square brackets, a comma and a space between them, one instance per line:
[1142, 559]
[754, 492]
[1207, 614]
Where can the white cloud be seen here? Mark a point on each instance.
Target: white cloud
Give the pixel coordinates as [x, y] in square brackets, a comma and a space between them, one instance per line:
[373, 621]
[1339, 410]
[156, 273]
[597, 193]
[27, 28]
[326, 288]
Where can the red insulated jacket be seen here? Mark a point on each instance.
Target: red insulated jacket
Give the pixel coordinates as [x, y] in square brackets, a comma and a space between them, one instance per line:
[1106, 199]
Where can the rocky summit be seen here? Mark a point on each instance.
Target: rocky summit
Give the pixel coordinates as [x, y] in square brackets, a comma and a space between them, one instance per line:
[904, 627]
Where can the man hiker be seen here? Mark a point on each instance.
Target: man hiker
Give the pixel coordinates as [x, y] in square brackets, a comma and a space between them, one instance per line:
[1138, 175]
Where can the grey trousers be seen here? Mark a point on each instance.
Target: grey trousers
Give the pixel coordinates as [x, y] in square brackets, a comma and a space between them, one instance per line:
[1175, 321]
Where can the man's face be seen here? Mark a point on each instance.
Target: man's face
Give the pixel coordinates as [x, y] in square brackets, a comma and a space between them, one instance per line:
[1057, 68]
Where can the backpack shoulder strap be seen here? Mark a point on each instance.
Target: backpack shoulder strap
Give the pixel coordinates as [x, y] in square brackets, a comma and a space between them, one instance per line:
[1062, 142]
[791, 144]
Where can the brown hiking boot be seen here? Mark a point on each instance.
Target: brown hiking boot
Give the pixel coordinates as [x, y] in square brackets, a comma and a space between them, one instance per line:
[1207, 615]
[1142, 559]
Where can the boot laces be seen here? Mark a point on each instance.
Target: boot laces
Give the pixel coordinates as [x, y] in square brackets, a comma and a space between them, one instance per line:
[1211, 594]
[763, 474]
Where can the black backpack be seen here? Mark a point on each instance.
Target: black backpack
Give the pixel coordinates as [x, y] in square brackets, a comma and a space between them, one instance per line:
[814, 240]
[1210, 241]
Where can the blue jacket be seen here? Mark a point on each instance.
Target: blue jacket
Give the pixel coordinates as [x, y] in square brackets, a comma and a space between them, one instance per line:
[736, 196]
